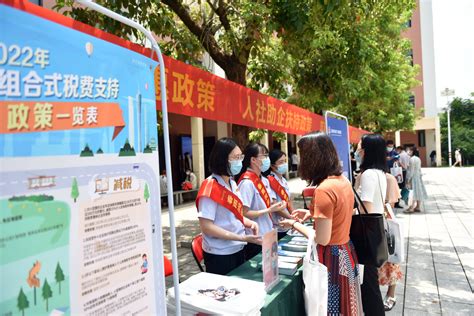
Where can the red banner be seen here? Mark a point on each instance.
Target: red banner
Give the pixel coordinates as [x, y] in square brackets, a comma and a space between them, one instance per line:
[195, 92]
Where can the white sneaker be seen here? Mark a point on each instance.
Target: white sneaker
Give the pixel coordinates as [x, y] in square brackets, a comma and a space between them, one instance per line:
[401, 203]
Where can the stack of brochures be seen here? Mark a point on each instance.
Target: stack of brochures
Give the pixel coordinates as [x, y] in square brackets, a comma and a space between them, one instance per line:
[207, 293]
[290, 254]
[288, 265]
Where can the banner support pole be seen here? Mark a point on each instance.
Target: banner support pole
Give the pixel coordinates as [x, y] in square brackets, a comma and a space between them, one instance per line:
[164, 107]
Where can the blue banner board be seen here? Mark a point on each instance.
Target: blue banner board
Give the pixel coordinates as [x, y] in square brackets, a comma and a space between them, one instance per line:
[337, 129]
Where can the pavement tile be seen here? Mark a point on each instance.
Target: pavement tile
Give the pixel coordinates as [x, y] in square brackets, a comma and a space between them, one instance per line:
[449, 271]
[455, 290]
[416, 312]
[454, 308]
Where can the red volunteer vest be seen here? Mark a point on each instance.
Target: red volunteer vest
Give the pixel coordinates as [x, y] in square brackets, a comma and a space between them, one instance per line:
[280, 190]
[259, 186]
[221, 195]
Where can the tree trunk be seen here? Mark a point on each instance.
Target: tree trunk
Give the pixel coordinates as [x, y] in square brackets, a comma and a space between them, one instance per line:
[237, 72]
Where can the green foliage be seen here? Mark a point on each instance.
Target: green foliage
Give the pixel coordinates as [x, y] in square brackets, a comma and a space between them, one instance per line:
[74, 190]
[147, 149]
[22, 302]
[32, 198]
[146, 193]
[257, 135]
[462, 129]
[279, 137]
[351, 59]
[86, 152]
[127, 150]
[59, 276]
[46, 292]
[99, 151]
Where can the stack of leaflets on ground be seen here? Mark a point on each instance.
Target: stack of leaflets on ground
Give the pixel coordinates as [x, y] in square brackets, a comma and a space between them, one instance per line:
[212, 294]
[290, 254]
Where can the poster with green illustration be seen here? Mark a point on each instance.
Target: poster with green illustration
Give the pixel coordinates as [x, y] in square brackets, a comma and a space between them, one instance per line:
[34, 241]
[78, 170]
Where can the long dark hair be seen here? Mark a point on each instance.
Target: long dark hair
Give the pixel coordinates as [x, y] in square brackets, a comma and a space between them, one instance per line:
[219, 157]
[375, 156]
[319, 158]
[251, 150]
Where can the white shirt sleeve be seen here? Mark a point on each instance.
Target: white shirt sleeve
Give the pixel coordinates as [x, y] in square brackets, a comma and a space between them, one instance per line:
[368, 184]
[247, 192]
[207, 208]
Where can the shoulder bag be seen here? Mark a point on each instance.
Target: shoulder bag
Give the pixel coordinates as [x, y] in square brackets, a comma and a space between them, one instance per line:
[367, 233]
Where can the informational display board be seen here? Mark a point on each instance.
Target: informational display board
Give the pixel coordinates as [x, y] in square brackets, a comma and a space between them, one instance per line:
[80, 229]
[337, 129]
[270, 259]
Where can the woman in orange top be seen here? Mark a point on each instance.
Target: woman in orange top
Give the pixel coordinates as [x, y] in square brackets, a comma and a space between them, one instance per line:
[332, 212]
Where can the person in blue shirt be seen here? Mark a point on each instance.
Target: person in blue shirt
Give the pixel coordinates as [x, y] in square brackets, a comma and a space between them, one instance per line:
[392, 154]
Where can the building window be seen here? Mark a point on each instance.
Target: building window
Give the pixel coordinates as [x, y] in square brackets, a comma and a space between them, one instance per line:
[411, 99]
[410, 54]
[421, 139]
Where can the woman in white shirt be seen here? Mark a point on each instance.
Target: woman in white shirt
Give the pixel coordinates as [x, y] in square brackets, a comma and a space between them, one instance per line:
[257, 197]
[280, 188]
[373, 188]
[220, 211]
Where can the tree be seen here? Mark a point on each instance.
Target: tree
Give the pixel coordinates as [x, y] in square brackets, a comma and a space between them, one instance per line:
[462, 129]
[127, 149]
[59, 276]
[46, 293]
[86, 152]
[351, 59]
[74, 190]
[146, 193]
[22, 302]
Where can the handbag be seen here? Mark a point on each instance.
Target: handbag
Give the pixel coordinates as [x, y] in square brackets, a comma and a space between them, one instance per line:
[387, 212]
[315, 278]
[394, 233]
[397, 172]
[367, 233]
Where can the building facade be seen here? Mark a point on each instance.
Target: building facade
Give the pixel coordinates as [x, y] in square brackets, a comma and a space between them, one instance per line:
[426, 134]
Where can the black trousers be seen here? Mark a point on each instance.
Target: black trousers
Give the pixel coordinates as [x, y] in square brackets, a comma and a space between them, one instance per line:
[372, 302]
[251, 250]
[223, 264]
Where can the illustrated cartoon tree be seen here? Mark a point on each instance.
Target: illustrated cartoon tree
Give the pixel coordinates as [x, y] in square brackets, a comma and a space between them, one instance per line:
[47, 293]
[74, 190]
[22, 302]
[33, 280]
[146, 194]
[59, 276]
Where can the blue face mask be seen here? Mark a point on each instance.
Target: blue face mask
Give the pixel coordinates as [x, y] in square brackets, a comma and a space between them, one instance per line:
[235, 166]
[282, 169]
[265, 165]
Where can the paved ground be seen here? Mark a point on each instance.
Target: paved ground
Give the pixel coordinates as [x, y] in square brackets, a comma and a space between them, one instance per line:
[439, 272]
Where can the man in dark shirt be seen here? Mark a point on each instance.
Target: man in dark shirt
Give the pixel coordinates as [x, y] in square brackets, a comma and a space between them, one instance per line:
[392, 154]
